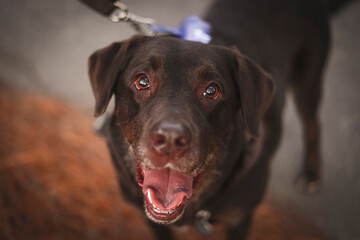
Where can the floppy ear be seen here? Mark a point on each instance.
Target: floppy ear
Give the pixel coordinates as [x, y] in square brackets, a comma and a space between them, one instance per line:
[105, 65]
[256, 88]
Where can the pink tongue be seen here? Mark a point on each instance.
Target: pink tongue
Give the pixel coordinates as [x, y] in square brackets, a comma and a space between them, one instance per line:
[167, 187]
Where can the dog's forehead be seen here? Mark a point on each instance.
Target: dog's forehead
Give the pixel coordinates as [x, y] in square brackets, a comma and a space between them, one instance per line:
[173, 52]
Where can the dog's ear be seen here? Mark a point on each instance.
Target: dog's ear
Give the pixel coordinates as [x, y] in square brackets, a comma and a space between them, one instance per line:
[256, 89]
[105, 65]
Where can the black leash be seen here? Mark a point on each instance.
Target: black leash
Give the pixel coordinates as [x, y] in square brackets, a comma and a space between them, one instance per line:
[116, 11]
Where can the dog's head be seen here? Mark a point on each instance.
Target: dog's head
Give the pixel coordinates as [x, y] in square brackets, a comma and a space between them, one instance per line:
[177, 104]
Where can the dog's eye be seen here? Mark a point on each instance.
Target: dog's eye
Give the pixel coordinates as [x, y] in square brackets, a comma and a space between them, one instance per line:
[212, 92]
[142, 83]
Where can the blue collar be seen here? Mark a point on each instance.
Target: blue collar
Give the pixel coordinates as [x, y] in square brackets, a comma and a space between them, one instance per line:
[192, 28]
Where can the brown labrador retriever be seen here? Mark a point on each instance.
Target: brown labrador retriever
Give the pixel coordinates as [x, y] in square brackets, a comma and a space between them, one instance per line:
[195, 125]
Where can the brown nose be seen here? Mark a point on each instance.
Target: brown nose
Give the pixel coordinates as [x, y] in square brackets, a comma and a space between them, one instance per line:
[170, 138]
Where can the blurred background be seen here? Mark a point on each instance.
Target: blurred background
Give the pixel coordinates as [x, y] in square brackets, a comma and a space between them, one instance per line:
[44, 46]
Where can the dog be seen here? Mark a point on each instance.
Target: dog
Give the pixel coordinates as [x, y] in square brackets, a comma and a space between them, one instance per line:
[195, 126]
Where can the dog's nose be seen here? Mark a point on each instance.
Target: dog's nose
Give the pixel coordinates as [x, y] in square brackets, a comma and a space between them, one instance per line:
[170, 138]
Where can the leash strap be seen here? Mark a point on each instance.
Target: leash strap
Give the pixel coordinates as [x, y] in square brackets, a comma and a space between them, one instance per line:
[103, 7]
[192, 28]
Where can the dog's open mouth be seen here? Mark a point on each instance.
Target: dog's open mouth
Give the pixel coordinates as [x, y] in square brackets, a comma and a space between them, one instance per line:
[166, 191]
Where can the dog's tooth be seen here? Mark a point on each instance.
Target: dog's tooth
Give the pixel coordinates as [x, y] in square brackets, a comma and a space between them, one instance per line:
[181, 202]
[157, 210]
[150, 197]
[155, 207]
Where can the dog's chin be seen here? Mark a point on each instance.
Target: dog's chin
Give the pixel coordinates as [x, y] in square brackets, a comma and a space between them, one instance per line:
[166, 192]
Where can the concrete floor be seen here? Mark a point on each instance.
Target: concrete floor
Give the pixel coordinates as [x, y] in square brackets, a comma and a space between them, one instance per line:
[44, 47]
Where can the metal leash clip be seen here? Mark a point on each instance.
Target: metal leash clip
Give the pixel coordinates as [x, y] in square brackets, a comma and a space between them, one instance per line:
[202, 222]
[140, 24]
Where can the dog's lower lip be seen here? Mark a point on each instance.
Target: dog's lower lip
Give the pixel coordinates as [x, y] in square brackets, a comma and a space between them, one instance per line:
[162, 214]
